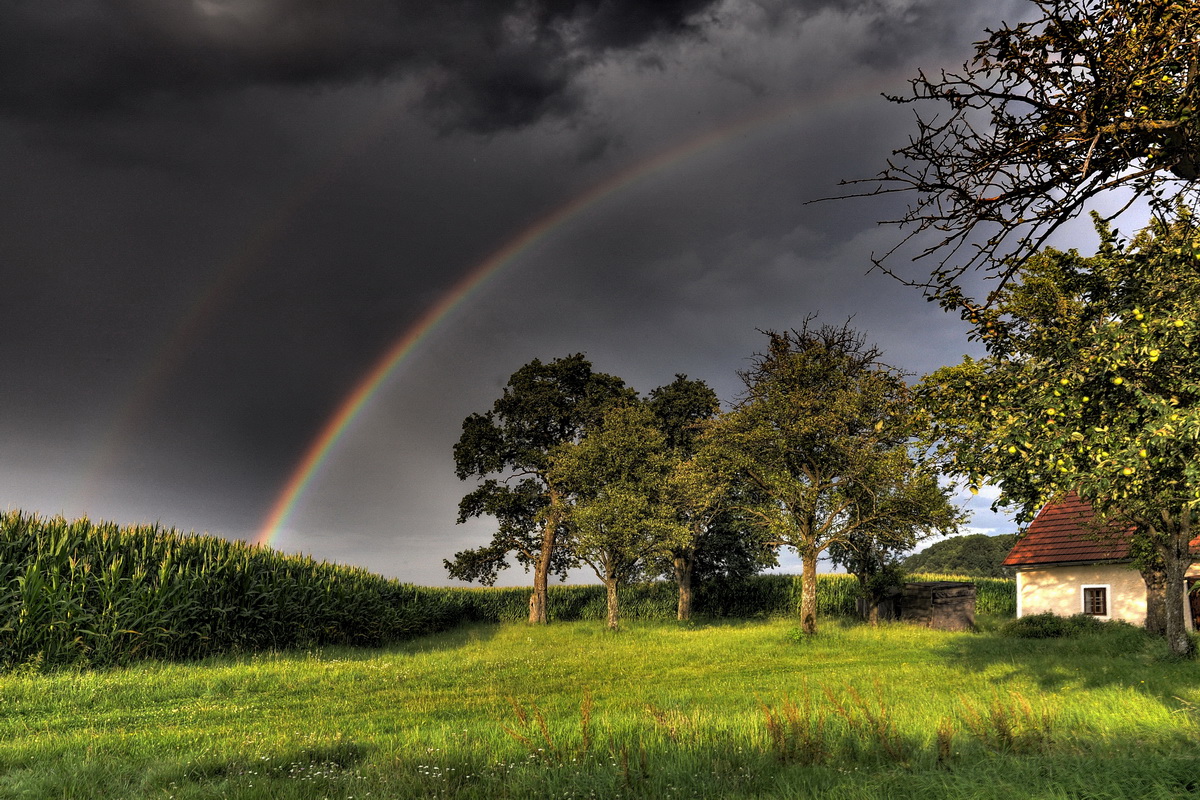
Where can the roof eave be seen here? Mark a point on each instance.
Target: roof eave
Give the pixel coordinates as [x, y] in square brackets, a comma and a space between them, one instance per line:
[1090, 562]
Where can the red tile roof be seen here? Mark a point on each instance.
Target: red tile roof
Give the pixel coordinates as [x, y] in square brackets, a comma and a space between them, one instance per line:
[1063, 533]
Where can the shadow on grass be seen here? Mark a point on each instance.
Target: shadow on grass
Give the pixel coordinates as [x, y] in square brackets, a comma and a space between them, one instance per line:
[465, 635]
[854, 767]
[1117, 656]
[453, 639]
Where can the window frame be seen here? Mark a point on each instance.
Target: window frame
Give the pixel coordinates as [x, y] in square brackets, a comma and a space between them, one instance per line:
[1083, 604]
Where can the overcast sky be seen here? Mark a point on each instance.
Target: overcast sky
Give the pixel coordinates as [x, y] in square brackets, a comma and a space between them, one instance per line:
[219, 215]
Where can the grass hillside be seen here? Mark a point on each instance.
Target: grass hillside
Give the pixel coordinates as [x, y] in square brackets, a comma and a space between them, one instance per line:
[659, 710]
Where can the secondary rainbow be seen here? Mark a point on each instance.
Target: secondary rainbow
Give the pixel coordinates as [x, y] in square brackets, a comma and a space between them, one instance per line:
[249, 256]
[319, 450]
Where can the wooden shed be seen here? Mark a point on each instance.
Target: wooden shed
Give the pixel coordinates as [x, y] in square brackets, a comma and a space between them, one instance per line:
[943, 605]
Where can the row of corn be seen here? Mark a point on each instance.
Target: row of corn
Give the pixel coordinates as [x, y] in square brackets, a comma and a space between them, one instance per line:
[95, 594]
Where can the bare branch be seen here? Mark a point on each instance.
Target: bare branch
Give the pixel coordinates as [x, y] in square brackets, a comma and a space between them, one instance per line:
[1091, 96]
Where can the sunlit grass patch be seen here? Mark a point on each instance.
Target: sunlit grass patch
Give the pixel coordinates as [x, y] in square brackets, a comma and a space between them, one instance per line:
[657, 710]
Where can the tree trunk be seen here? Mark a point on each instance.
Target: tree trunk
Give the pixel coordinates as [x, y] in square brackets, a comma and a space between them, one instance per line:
[1156, 598]
[541, 570]
[683, 578]
[868, 603]
[808, 591]
[537, 600]
[1176, 559]
[610, 585]
[873, 609]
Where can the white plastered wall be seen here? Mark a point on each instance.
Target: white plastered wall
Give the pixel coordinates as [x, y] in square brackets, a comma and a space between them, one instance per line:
[1193, 572]
[1059, 590]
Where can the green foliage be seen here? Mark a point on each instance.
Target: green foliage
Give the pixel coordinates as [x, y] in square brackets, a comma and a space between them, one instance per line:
[1108, 635]
[875, 563]
[1091, 385]
[84, 594]
[705, 493]
[542, 407]
[1091, 379]
[824, 433]
[760, 596]
[975, 554]
[1051, 626]
[680, 408]
[619, 519]
[617, 474]
[1081, 98]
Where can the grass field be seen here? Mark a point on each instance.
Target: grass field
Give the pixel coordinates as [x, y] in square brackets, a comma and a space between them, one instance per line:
[659, 710]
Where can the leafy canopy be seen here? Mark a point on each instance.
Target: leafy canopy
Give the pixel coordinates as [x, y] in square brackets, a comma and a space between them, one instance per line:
[509, 447]
[823, 433]
[705, 492]
[973, 554]
[1091, 380]
[618, 475]
[1091, 384]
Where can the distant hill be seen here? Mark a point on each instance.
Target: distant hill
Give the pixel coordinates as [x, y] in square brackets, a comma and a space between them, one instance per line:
[974, 554]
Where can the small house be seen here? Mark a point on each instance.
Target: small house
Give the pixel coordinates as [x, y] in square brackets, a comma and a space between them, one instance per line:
[1067, 564]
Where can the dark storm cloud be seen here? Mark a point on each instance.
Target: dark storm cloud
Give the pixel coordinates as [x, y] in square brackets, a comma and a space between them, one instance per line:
[157, 151]
[486, 65]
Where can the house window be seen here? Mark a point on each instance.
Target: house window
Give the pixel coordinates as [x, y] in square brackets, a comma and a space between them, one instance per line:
[1095, 600]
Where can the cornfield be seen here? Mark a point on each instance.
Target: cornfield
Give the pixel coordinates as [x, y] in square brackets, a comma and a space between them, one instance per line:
[95, 594]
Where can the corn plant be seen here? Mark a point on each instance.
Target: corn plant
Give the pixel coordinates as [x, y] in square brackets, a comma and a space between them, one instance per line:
[83, 593]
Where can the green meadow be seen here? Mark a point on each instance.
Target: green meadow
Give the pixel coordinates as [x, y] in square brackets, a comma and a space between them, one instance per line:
[657, 710]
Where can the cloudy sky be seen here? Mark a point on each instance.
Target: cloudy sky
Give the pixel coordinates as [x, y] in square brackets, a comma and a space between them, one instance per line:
[220, 217]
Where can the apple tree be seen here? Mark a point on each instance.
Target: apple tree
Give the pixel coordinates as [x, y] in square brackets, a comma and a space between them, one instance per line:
[619, 519]
[705, 494]
[1083, 98]
[1091, 384]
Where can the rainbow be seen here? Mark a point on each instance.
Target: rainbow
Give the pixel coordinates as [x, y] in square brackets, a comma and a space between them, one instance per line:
[319, 450]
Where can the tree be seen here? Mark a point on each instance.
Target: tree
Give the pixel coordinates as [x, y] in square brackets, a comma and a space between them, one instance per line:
[680, 410]
[823, 431]
[1087, 97]
[728, 550]
[975, 554]
[542, 407]
[698, 492]
[1091, 384]
[874, 561]
[697, 488]
[619, 519]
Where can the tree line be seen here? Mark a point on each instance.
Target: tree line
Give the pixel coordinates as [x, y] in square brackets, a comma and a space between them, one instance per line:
[819, 455]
